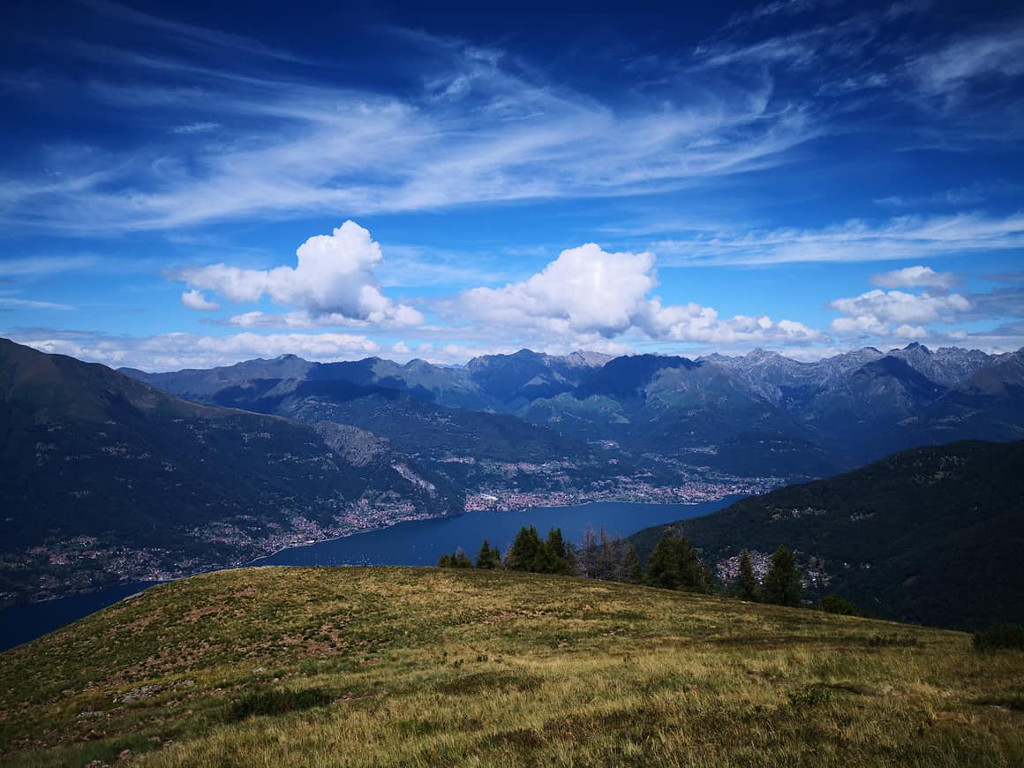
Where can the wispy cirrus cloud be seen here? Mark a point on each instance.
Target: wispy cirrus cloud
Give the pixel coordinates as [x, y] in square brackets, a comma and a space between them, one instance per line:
[903, 237]
[777, 8]
[847, 37]
[959, 65]
[36, 266]
[7, 302]
[191, 128]
[189, 34]
[479, 128]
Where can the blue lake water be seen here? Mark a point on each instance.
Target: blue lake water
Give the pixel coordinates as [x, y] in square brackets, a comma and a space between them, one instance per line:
[420, 542]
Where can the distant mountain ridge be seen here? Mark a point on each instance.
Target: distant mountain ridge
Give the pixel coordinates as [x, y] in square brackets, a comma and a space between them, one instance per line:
[492, 382]
[265, 449]
[757, 414]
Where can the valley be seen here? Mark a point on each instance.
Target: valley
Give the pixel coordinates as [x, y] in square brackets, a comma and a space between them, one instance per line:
[127, 480]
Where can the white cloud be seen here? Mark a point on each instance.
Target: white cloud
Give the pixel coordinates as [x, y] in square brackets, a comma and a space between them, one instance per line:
[915, 277]
[903, 237]
[585, 290]
[911, 332]
[199, 127]
[174, 351]
[332, 283]
[34, 266]
[902, 307]
[196, 300]
[874, 312]
[953, 68]
[188, 33]
[503, 132]
[12, 303]
[588, 294]
[696, 323]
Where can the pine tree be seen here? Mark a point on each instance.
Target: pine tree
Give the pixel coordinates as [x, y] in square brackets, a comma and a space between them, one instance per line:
[557, 560]
[488, 556]
[527, 551]
[782, 584]
[746, 582]
[446, 561]
[461, 560]
[675, 564]
[629, 566]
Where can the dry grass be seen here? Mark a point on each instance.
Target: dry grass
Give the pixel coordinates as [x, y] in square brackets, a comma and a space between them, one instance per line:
[419, 667]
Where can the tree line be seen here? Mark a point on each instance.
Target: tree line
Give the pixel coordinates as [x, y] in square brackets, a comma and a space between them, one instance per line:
[674, 563]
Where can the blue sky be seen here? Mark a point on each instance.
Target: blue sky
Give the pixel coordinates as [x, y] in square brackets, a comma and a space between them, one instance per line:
[186, 185]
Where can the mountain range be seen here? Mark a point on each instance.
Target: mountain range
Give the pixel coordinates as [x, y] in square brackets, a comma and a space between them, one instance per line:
[114, 475]
[759, 414]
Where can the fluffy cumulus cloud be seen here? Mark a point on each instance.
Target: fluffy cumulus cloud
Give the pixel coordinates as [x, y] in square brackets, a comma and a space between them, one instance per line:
[874, 313]
[915, 277]
[584, 291]
[590, 294]
[332, 283]
[700, 324]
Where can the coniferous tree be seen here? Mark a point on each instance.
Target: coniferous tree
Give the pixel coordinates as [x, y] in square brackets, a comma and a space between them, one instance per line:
[456, 559]
[675, 564]
[746, 582]
[526, 552]
[629, 566]
[488, 556]
[557, 558]
[782, 583]
[662, 566]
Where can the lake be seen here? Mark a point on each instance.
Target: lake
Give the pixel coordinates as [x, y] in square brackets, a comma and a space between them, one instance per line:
[419, 542]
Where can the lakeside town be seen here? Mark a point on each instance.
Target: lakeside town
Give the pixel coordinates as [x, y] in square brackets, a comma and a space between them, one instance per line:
[82, 564]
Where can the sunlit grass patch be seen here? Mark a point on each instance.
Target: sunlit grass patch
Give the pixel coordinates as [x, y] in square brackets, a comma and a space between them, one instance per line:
[418, 667]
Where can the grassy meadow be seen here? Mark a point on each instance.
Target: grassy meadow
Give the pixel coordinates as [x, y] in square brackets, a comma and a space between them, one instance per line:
[425, 667]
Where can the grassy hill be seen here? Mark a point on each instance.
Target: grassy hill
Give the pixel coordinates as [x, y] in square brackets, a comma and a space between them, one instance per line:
[423, 667]
[931, 535]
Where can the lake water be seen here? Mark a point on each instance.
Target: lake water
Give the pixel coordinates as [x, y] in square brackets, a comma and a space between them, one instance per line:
[420, 542]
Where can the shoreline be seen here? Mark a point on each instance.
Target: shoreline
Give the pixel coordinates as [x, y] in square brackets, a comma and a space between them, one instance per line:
[42, 620]
[253, 562]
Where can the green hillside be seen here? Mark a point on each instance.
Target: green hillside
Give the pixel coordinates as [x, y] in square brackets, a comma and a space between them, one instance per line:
[107, 479]
[932, 535]
[424, 667]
